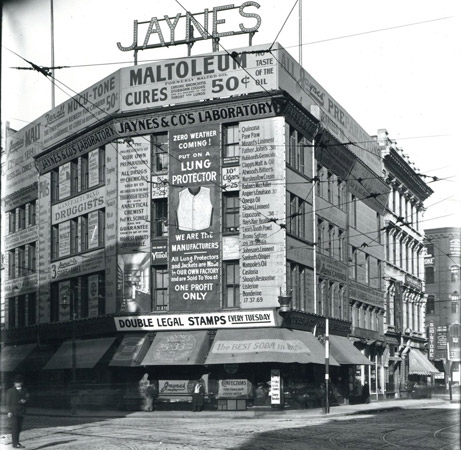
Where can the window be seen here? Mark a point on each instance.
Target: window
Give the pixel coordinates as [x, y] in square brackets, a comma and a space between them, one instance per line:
[160, 288]
[22, 217]
[430, 249]
[367, 269]
[160, 152]
[353, 211]
[74, 177]
[292, 148]
[339, 193]
[54, 185]
[320, 243]
[22, 268]
[84, 172]
[92, 231]
[11, 264]
[12, 221]
[231, 211]
[159, 217]
[102, 164]
[353, 262]
[12, 312]
[32, 213]
[454, 270]
[455, 307]
[318, 183]
[331, 239]
[231, 142]
[330, 186]
[54, 303]
[429, 275]
[341, 245]
[32, 257]
[430, 304]
[231, 284]
[73, 237]
[22, 311]
[32, 309]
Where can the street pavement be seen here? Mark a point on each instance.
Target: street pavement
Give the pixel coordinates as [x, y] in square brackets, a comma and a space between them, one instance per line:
[407, 424]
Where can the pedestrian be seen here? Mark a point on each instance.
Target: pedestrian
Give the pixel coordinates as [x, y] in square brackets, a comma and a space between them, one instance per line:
[366, 393]
[16, 399]
[150, 395]
[198, 396]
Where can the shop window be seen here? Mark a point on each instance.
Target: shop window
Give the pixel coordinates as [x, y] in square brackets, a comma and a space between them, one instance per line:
[160, 152]
[84, 296]
[54, 302]
[429, 275]
[159, 218]
[12, 312]
[231, 143]
[231, 211]
[12, 221]
[21, 311]
[231, 284]
[454, 270]
[32, 309]
[160, 288]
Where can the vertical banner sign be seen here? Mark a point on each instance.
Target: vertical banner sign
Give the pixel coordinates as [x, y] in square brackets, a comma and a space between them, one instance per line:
[431, 340]
[44, 249]
[262, 174]
[134, 195]
[194, 225]
[276, 387]
[93, 295]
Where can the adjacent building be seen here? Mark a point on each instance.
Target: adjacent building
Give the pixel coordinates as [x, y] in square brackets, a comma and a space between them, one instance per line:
[403, 238]
[442, 264]
[202, 218]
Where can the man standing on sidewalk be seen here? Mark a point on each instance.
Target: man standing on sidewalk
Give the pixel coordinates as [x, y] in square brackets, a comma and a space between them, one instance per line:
[16, 398]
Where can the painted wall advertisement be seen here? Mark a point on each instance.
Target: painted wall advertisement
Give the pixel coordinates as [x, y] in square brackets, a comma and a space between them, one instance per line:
[134, 195]
[195, 232]
[197, 78]
[262, 174]
[93, 168]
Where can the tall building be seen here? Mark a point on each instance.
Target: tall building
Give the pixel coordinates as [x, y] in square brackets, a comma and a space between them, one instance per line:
[406, 357]
[202, 217]
[443, 286]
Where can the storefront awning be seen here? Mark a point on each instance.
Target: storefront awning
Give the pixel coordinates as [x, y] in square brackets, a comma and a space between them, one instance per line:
[344, 351]
[178, 348]
[419, 364]
[13, 355]
[277, 345]
[88, 353]
[131, 351]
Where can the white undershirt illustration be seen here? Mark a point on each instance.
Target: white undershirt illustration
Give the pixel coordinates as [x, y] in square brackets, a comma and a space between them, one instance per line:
[194, 209]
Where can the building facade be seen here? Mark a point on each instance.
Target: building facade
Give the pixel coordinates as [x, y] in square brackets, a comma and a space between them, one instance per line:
[442, 264]
[404, 274]
[176, 221]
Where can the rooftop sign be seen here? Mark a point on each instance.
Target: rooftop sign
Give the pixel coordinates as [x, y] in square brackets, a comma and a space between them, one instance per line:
[169, 33]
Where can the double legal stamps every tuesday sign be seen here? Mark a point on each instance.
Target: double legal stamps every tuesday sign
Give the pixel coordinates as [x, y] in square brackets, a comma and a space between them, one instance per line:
[194, 238]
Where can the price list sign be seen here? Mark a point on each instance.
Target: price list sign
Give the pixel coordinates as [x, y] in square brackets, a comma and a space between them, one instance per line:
[262, 234]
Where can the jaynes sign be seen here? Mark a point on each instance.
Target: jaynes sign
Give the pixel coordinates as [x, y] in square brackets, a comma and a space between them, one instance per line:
[180, 28]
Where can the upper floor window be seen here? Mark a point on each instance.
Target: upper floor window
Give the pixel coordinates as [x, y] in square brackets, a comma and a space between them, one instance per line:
[160, 152]
[231, 284]
[160, 288]
[231, 211]
[429, 275]
[159, 217]
[231, 143]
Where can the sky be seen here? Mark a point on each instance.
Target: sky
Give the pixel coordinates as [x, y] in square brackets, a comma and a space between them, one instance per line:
[391, 64]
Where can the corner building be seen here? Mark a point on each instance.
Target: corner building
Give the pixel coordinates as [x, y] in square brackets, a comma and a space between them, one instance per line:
[196, 218]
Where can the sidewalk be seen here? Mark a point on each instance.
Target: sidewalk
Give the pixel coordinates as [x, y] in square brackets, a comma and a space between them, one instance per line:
[262, 412]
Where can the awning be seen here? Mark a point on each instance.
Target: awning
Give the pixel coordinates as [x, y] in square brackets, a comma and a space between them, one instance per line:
[277, 345]
[88, 353]
[131, 351]
[178, 348]
[419, 364]
[344, 351]
[13, 355]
